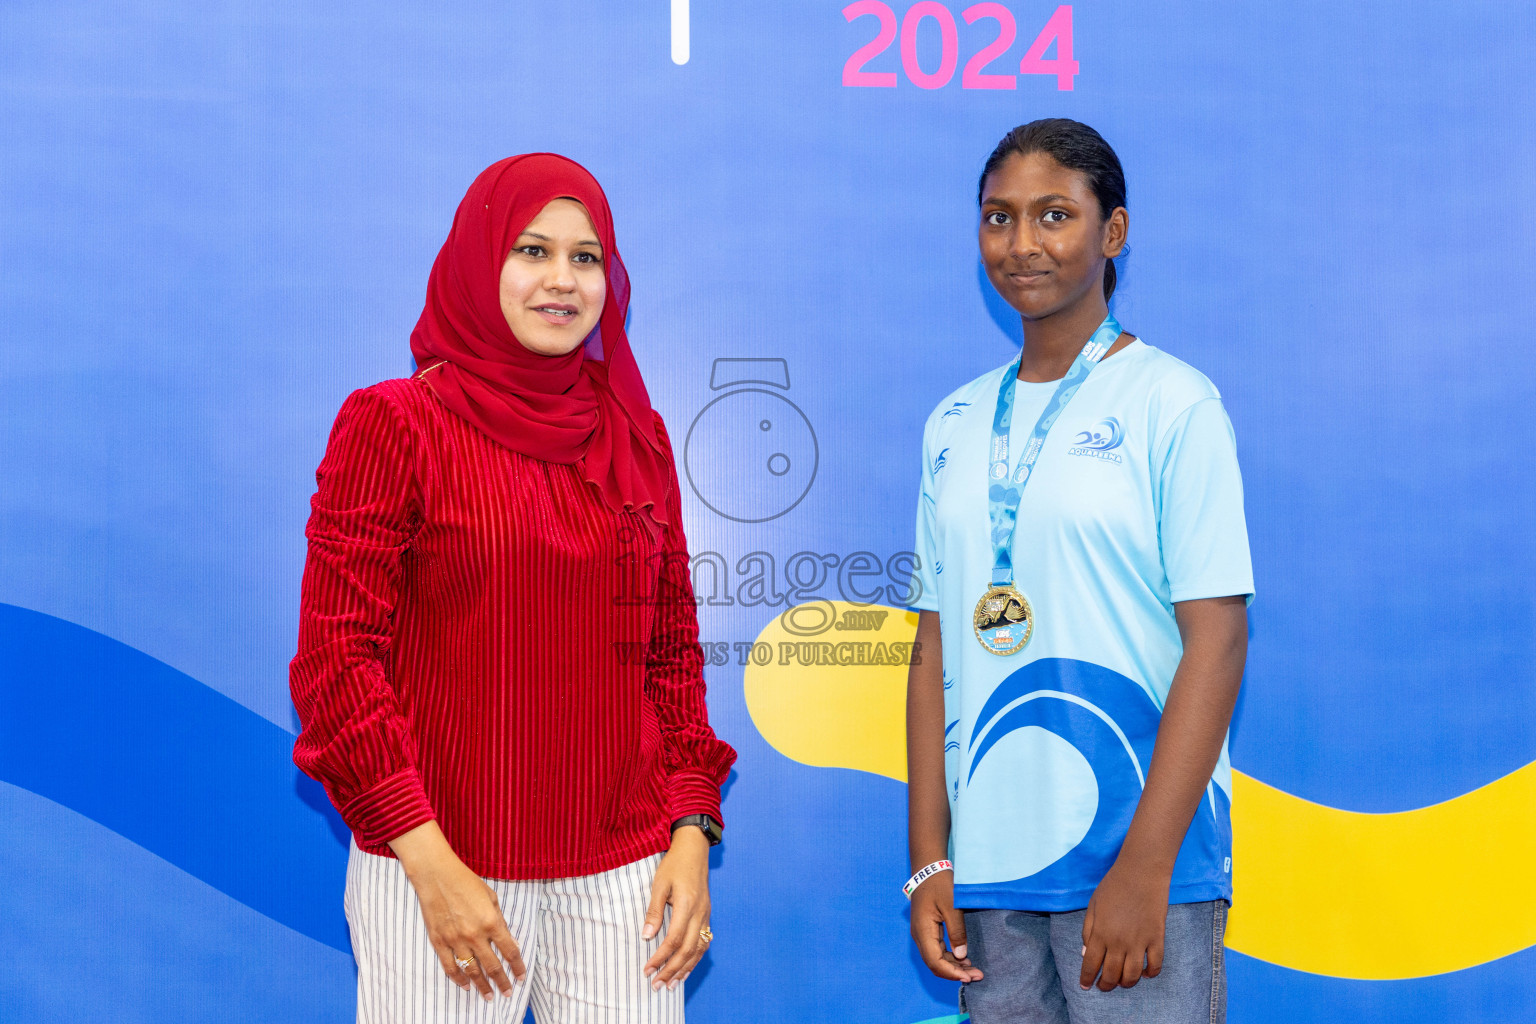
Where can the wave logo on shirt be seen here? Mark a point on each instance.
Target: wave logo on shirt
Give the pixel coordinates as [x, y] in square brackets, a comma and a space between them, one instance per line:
[1090, 731]
[940, 461]
[1100, 441]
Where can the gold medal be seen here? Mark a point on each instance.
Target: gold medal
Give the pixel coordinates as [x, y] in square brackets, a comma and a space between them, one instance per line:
[1003, 620]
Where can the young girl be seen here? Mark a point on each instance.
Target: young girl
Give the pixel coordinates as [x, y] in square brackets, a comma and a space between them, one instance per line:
[1082, 593]
[488, 537]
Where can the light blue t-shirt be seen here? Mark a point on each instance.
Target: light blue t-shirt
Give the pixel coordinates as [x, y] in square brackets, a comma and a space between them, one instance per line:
[1135, 503]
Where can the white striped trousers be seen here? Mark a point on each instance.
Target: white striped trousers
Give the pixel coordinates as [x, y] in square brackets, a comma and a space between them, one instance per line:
[580, 940]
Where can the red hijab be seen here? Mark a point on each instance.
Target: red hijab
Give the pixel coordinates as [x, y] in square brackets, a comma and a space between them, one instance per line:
[588, 407]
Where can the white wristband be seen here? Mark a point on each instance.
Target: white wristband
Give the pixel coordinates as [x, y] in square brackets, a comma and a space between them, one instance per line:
[923, 876]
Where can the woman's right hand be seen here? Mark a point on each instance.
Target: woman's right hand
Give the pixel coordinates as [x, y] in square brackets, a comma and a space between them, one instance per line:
[933, 908]
[462, 914]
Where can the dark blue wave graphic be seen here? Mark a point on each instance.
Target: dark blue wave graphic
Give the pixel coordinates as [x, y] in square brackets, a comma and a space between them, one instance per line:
[164, 761]
[1119, 785]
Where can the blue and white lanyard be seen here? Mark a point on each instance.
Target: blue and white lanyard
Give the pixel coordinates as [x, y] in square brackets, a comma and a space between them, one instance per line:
[1003, 494]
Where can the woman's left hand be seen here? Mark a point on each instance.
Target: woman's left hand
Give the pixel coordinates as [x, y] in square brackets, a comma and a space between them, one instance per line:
[682, 879]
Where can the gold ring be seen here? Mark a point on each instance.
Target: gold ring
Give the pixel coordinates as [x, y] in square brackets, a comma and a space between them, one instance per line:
[706, 934]
[464, 962]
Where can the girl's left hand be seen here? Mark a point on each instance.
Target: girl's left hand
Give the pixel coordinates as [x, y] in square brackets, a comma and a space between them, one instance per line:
[1123, 928]
[682, 879]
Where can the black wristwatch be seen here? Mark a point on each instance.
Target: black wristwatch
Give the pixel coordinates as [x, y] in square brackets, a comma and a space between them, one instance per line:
[712, 828]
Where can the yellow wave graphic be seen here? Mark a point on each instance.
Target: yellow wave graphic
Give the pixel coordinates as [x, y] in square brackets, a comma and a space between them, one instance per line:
[1317, 889]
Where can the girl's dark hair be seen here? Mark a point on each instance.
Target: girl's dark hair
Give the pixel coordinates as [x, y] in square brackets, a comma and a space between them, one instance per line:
[1076, 147]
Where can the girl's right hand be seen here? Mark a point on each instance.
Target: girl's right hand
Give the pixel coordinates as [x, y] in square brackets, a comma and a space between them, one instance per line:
[933, 909]
[462, 914]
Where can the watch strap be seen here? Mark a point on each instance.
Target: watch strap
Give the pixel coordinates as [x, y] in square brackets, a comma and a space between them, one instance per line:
[711, 828]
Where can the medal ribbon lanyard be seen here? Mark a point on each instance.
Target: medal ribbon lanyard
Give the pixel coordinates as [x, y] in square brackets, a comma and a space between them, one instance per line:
[1003, 495]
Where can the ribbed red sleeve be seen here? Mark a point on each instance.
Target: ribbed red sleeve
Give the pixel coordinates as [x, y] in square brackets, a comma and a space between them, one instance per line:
[355, 740]
[695, 760]
[484, 642]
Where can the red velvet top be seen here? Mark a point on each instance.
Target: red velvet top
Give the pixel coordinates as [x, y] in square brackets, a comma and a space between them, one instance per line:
[484, 642]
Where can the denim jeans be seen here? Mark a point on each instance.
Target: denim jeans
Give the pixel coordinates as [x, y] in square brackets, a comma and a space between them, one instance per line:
[1032, 962]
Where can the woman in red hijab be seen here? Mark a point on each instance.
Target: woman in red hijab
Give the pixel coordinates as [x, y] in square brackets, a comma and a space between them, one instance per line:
[498, 673]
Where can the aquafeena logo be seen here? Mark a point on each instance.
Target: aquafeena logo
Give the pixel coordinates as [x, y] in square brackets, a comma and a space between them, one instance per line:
[1100, 442]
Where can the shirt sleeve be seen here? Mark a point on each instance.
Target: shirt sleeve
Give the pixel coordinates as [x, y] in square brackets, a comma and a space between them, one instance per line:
[695, 760]
[353, 737]
[923, 592]
[1201, 526]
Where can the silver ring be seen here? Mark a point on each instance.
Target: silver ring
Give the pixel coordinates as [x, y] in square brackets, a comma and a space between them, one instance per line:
[464, 962]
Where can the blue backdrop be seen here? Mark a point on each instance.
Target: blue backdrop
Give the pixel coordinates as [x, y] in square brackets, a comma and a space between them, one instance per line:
[217, 220]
